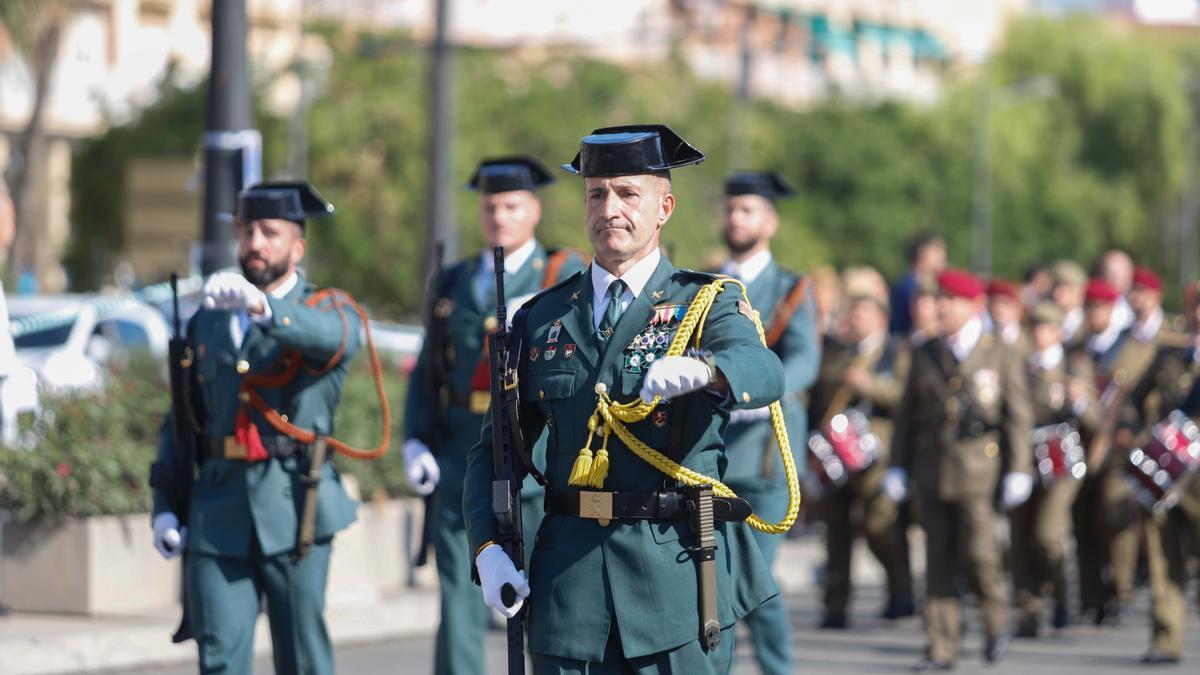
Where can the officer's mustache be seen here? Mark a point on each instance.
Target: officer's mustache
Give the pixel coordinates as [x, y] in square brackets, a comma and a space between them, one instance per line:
[265, 275]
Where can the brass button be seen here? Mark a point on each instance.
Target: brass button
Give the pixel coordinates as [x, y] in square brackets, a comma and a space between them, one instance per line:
[745, 397]
[489, 324]
[541, 393]
[243, 367]
[285, 321]
[283, 417]
[244, 397]
[1121, 377]
[991, 450]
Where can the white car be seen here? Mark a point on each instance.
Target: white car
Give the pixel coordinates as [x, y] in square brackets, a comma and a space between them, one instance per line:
[67, 339]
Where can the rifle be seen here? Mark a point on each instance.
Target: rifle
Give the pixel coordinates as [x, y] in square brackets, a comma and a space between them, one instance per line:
[435, 384]
[507, 464]
[177, 479]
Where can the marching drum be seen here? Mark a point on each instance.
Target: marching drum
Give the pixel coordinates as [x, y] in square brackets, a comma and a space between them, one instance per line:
[843, 447]
[1059, 453]
[1162, 469]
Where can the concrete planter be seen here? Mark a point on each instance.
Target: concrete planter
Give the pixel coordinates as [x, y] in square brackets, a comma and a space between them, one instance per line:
[108, 565]
[97, 565]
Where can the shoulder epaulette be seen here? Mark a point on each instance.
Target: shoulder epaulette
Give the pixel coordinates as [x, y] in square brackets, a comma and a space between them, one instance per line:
[703, 277]
[546, 291]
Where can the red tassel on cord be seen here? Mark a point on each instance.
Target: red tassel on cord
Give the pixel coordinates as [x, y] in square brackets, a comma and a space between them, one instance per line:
[246, 433]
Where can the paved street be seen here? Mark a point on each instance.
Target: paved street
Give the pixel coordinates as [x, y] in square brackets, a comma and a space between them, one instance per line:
[872, 646]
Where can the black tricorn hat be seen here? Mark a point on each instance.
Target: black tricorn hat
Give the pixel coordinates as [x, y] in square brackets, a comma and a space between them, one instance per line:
[285, 200]
[505, 174]
[630, 150]
[763, 183]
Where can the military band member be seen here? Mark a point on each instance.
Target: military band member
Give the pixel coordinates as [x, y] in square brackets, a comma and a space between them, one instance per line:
[755, 471]
[615, 588]
[449, 393]
[1171, 383]
[1105, 514]
[1060, 386]
[1070, 282]
[243, 520]
[964, 414]
[1005, 310]
[863, 372]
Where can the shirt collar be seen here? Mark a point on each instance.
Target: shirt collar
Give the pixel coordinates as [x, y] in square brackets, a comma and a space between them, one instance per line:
[963, 342]
[749, 269]
[1071, 322]
[1048, 359]
[512, 261]
[1103, 341]
[635, 277]
[286, 287]
[1148, 329]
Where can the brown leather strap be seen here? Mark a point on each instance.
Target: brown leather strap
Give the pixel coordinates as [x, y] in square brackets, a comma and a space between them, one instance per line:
[554, 265]
[784, 311]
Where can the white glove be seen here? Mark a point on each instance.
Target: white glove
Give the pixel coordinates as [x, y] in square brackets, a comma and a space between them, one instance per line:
[169, 538]
[895, 484]
[673, 376]
[421, 467]
[750, 414]
[228, 290]
[1016, 489]
[495, 570]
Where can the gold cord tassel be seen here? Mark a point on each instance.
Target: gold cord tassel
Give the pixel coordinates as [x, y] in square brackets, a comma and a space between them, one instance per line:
[600, 463]
[581, 472]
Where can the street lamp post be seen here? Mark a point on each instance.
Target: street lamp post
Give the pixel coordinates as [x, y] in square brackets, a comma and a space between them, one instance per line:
[232, 148]
[989, 101]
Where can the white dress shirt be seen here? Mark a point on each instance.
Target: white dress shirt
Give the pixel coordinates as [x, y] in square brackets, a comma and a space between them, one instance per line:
[963, 342]
[748, 270]
[635, 279]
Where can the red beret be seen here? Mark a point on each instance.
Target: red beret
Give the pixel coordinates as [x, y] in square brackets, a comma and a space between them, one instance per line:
[1099, 290]
[1001, 287]
[960, 284]
[1146, 278]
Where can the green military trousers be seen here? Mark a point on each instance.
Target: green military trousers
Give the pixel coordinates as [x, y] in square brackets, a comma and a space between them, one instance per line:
[689, 658]
[464, 617]
[769, 624]
[1166, 538]
[1039, 529]
[224, 594]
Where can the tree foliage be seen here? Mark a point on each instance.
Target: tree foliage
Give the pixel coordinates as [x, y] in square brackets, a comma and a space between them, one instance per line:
[1099, 162]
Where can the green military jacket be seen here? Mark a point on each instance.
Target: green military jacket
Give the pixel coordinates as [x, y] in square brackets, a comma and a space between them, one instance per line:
[234, 502]
[959, 423]
[1048, 392]
[463, 312]
[887, 366]
[638, 573]
[754, 462]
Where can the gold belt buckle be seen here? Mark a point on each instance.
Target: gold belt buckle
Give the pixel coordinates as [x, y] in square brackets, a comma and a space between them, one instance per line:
[597, 506]
[233, 449]
[479, 402]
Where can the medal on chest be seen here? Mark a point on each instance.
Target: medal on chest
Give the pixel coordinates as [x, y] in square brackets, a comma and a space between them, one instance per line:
[652, 342]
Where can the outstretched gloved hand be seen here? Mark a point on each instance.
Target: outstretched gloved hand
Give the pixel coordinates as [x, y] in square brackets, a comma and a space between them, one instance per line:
[673, 376]
[229, 290]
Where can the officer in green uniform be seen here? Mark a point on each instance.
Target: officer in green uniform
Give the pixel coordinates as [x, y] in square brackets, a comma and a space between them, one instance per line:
[242, 525]
[449, 392]
[755, 471]
[863, 373]
[965, 414]
[613, 586]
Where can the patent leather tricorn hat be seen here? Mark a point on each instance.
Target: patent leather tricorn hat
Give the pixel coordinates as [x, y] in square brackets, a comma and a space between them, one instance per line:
[631, 150]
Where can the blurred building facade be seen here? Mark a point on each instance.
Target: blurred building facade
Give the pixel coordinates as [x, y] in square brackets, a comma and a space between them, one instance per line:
[111, 59]
[113, 55]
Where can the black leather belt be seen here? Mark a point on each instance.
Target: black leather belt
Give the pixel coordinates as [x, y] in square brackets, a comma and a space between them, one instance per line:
[227, 447]
[662, 505]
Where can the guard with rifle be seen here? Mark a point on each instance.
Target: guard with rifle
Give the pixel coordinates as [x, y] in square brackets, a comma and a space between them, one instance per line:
[964, 415]
[255, 387]
[630, 369]
[853, 405]
[449, 391]
[755, 471]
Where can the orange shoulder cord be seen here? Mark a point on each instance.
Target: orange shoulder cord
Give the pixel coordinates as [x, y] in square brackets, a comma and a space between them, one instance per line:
[784, 311]
[288, 366]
